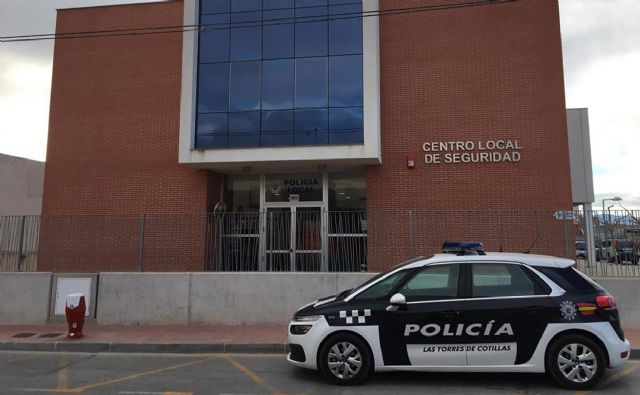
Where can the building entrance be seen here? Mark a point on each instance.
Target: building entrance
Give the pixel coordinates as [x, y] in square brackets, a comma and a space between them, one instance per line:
[293, 238]
[293, 222]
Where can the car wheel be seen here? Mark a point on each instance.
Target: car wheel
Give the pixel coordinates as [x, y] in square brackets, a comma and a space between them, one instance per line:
[344, 359]
[575, 362]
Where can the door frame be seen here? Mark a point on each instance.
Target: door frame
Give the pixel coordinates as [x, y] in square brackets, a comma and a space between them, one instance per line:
[322, 205]
[293, 235]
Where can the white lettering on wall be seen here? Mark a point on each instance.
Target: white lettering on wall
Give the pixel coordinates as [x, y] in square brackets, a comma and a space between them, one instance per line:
[464, 152]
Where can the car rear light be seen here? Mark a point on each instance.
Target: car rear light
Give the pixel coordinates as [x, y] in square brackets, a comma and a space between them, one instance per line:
[606, 302]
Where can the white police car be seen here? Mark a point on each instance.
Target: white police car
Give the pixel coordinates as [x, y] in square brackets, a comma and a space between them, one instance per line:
[465, 311]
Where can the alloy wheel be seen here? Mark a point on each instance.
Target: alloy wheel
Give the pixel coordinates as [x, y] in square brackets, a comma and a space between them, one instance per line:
[577, 362]
[344, 360]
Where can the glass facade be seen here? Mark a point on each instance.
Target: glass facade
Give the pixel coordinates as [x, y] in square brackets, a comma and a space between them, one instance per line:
[279, 73]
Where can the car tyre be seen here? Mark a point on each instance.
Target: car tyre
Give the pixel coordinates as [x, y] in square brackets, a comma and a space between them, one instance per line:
[575, 362]
[345, 359]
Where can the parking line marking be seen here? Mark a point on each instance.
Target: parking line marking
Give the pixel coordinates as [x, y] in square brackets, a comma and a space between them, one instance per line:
[252, 375]
[134, 376]
[615, 377]
[63, 373]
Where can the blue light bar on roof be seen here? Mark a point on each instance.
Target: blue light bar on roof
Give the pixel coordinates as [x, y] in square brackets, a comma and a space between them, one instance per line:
[462, 246]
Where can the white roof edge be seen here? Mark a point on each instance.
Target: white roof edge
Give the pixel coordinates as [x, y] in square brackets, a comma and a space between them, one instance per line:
[528, 259]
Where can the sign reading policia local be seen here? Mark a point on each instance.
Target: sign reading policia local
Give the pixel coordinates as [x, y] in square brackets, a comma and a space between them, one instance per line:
[487, 151]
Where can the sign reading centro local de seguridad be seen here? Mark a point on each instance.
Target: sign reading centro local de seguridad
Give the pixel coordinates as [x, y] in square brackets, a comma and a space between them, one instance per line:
[487, 151]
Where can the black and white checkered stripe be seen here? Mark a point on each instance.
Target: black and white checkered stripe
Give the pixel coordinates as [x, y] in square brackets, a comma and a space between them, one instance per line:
[350, 315]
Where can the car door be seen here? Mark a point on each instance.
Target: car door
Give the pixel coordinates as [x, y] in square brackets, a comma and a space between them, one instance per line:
[506, 313]
[424, 332]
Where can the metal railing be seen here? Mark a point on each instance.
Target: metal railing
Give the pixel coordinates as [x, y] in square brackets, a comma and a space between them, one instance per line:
[307, 239]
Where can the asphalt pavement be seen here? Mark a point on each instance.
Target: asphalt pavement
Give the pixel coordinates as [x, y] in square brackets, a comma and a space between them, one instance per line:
[176, 374]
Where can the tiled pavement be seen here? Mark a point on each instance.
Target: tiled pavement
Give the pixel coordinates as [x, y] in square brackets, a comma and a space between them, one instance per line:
[165, 339]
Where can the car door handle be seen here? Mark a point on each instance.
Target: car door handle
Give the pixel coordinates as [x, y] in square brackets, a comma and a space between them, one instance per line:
[534, 309]
[450, 313]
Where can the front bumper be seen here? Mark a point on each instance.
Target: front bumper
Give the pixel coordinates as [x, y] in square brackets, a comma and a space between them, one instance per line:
[309, 342]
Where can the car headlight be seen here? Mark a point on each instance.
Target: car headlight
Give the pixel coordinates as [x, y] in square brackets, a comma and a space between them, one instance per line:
[300, 329]
[306, 318]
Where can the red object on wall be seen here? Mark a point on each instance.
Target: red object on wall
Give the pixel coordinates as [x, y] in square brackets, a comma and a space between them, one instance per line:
[411, 161]
[75, 310]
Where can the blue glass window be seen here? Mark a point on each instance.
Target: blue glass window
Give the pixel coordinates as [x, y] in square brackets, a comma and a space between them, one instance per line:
[213, 87]
[244, 122]
[215, 122]
[245, 5]
[345, 81]
[277, 128]
[345, 118]
[277, 41]
[277, 121]
[279, 73]
[246, 36]
[311, 82]
[211, 140]
[311, 120]
[215, 6]
[345, 33]
[311, 127]
[214, 40]
[345, 125]
[244, 129]
[311, 28]
[244, 86]
[277, 84]
[277, 4]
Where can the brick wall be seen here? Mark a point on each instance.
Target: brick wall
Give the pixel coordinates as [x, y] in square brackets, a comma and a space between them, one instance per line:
[113, 138]
[477, 73]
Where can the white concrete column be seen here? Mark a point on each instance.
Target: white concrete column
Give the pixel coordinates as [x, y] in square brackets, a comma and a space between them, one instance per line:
[588, 234]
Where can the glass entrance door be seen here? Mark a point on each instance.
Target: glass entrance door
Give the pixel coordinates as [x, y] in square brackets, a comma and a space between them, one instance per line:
[278, 236]
[293, 238]
[308, 239]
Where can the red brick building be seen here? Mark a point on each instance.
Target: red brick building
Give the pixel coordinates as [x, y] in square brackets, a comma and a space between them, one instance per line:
[360, 147]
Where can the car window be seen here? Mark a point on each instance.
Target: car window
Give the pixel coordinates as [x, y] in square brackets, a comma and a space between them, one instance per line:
[382, 288]
[500, 279]
[380, 275]
[570, 279]
[433, 283]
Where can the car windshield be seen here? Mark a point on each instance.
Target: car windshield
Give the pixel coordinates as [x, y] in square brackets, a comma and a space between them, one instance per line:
[580, 245]
[346, 293]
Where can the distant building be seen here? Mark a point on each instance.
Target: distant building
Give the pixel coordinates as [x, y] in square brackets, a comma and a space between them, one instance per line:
[21, 183]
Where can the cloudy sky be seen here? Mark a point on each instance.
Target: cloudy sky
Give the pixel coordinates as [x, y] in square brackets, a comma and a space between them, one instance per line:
[601, 44]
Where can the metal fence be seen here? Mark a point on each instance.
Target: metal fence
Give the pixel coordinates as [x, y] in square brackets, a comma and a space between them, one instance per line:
[307, 239]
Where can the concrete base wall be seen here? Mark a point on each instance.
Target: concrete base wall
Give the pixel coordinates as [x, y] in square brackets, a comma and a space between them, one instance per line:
[24, 298]
[627, 294]
[215, 298]
[261, 298]
[143, 298]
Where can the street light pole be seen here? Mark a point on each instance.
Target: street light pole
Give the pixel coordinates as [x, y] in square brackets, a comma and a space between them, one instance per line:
[613, 199]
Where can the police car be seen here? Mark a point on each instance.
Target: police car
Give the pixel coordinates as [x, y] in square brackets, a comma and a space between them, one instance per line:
[465, 311]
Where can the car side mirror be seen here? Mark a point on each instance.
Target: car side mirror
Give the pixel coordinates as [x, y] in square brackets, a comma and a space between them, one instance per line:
[398, 302]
